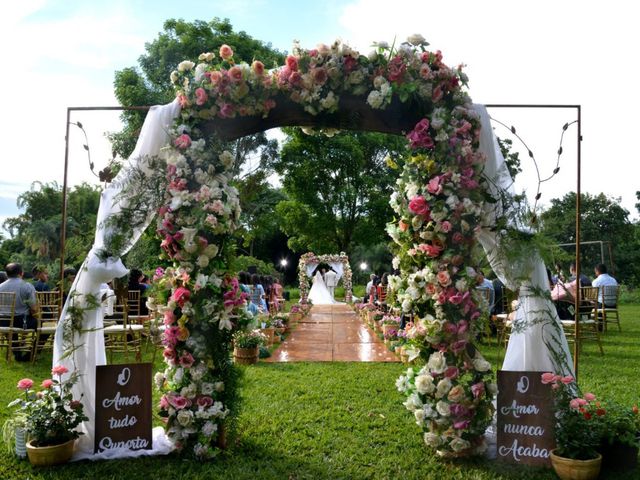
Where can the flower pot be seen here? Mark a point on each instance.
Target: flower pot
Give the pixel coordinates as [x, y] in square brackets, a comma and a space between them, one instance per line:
[616, 456]
[245, 356]
[280, 331]
[387, 327]
[268, 333]
[51, 455]
[570, 469]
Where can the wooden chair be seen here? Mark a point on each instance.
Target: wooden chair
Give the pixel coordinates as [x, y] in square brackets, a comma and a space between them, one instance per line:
[7, 311]
[50, 308]
[502, 320]
[134, 308]
[611, 295]
[588, 314]
[121, 336]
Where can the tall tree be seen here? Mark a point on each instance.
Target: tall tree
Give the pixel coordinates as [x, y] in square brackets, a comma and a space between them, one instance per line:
[338, 189]
[149, 83]
[602, 219]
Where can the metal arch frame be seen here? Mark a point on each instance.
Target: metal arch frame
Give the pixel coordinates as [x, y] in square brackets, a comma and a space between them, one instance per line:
[578, 108]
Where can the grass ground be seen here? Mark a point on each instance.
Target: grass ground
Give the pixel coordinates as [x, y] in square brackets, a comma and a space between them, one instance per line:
[334, 421]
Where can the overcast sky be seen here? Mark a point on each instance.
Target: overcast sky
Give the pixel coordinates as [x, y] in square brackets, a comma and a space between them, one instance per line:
[64, 53]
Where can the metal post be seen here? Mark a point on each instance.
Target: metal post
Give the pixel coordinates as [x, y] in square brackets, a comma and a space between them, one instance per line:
[576, 343]
[63, 230]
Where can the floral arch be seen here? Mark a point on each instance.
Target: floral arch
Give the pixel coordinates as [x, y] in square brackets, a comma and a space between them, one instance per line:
[310, 258]
[177, 173]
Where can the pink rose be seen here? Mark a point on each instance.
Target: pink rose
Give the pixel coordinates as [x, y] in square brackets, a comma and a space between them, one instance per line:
[25, 384]
[169, 355]
[319, 75]
[183, 141]
[292, 63]
[204, 401]
[548, 377]
[567, 380]
[581, 401]
[458, 238]
[226, 52]
[456, 298]
[434, 187]
[444, 278]
[226, 110]
[574, 404]
[181, 295]
[201, 96]
[461, 425]
[418, 206]
[47, 383]
[451, 372]
[178, 402]
[235, 73]
[59, 370]
[258, 67]
[164, 403]
[477, 389]
[589, 397]
[459, 346]
[446, 226]
[433, 251]
[169, 318]
[295, 78]
[186, 360]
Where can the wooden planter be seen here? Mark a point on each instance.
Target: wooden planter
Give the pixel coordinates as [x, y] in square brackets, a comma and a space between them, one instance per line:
[280, 331]
[51, 455]
[295, 317]
[570, 469]
[386, 328]
[245, 356]
[269, 334]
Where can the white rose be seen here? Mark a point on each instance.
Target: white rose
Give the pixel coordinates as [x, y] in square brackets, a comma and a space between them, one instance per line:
[209, 428]
[419, 414]
[226, 158]
[178, 375]
[481, 365]
[206, 57]
[375, 99]
[406, 305]
[437, 362]
[413, 402]
[429, 412]
[382, 44]
[185, 66]
[184, 417]
[174, 76]
[189, 392]
[201, 68]
[443, 387]
[202, 261]
[417, 40]
[492, 388]
[432, 439]
[459, 444]
[211, 250]
[373, 55]
[443, 408]
[159, 379]
[424, 384]
[207, 388]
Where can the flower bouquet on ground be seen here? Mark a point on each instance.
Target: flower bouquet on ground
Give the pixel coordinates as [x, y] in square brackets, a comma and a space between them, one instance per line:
[579, 427]
[51, 415]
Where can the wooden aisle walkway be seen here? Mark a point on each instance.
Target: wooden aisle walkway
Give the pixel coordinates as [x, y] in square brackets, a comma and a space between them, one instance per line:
[332, 333]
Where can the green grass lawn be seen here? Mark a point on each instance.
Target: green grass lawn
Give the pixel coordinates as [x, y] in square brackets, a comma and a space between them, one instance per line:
[334, 421]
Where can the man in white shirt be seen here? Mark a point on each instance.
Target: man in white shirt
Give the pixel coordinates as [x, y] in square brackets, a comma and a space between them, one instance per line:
[483, 283]
[603, 279]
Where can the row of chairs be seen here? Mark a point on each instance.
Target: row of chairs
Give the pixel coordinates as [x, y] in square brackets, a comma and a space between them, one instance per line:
[594, 316]
[124, 329]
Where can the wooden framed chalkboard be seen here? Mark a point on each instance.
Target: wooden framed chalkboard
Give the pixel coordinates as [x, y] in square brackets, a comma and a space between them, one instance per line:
[525, 419]
[123, 407]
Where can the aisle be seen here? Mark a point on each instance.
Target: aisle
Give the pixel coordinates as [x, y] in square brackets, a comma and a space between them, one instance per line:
[332, 333]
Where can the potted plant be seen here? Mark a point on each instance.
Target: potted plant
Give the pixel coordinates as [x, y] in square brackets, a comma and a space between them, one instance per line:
[279, 325]
[246, 346]
[389, 322]
[578, 430]
[620, 441]
[51, 417]
[267, 329]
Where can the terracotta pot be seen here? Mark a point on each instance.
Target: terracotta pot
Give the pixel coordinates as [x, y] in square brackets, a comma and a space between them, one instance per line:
[51, 455]
[245, 356]
[570, 469]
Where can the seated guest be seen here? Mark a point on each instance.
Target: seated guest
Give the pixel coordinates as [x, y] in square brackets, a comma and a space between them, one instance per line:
[41, 277]
[564, 296]
[3, 277]
[369, 290]
[603, 279]
[136, 282]
[277, 293]
[244, 280]
[584, 280]
[257, 293]
[382, 287]
[25, 307]
[484, 283]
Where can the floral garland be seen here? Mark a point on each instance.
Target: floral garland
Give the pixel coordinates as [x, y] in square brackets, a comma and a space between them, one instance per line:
[438, 199]
[311, 258]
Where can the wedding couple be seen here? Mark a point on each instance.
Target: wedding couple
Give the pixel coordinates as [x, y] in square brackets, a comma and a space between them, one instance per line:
[323, 289]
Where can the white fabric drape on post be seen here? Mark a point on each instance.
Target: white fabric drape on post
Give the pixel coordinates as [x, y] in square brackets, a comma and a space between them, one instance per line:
[89, 344]
[537, 341]
[339, 269]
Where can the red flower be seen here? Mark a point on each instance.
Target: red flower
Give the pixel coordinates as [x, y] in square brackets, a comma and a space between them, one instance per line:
[419, 206]
[600, 412]
[587, 415]
[181, 296]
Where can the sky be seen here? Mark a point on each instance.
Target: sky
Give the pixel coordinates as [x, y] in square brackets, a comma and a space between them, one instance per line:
[65, 52]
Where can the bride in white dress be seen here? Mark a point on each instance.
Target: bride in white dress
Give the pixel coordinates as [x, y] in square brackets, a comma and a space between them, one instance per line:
[319, 294]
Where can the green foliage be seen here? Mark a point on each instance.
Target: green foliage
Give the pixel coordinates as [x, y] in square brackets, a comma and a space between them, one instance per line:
[512, 159]
[603, 219]
[338, 189]
[243, 262]
[36, 232]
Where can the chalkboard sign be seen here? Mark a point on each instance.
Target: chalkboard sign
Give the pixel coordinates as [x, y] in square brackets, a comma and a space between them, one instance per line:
[123, 407]
[525, 419]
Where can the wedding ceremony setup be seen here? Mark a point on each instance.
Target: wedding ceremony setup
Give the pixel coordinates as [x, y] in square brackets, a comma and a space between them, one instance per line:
[185, 343]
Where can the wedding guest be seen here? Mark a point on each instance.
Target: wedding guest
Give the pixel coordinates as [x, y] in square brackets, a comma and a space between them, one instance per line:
[244, 280]
[484, 283]
[278, 293]
[136, 282]
[41, 277]
[25, 306]
[369, 290]
[564, 297]
[584, 280]
[558, 276]
[603, 279]
[257, 293]
[382, 287]
[3, 277]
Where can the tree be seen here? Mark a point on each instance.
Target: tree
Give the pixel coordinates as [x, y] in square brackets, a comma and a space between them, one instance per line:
[338, 189]
[602, 219]
[149, 84]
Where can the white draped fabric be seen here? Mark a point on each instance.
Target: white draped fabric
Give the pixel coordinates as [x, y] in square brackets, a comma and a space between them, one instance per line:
[537, 341]
[89, 344]
[337, 266]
